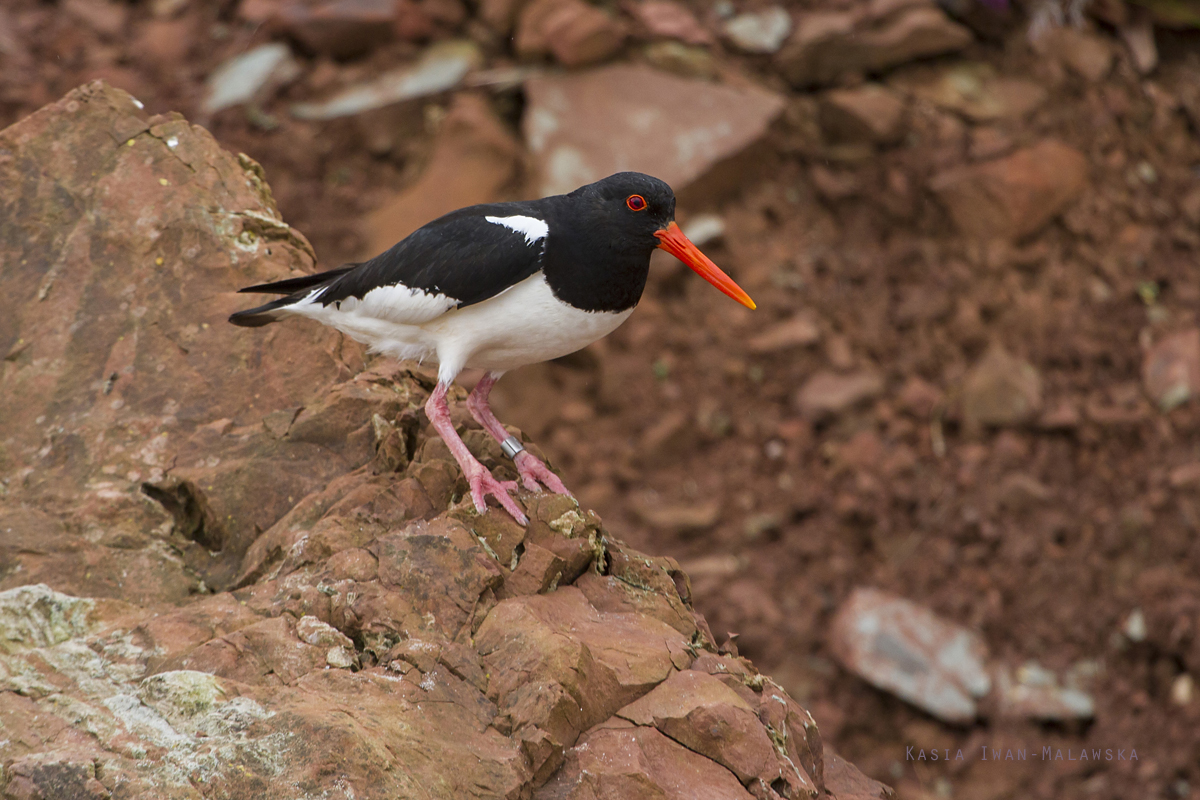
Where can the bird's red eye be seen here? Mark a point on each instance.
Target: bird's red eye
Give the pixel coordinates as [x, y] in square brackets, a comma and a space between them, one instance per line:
[636, 202]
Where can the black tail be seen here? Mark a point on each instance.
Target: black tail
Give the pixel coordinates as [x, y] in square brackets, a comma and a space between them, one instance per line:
[262, 315]
[292, 285]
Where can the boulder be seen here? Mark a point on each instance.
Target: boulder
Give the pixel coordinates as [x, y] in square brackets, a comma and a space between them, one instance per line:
[257, 575]
[120, 371]
[585, 126]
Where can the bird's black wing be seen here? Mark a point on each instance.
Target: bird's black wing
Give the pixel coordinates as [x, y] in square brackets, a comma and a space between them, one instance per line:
[464, 256]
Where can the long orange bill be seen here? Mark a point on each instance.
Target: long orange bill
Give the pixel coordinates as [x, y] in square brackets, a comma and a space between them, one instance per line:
[674, 242]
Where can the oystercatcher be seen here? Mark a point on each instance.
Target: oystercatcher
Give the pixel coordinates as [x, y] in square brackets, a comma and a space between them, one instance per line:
[497, 286]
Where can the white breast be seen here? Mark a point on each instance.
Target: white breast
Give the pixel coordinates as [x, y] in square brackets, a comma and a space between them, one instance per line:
[522, 325]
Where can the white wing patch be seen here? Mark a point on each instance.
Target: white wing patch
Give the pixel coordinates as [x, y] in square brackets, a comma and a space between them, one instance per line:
[533, 228]
[395, 304]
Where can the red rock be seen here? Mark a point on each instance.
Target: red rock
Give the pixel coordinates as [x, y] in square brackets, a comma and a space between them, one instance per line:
[920, 398]
[475, 160]
[868, 113]
[438, 569]
[706, 716]
[1001, 390]
[130, 429]
[1085, 53]
[171, 637]
[1185, 476]
[845, 781]
[340, 28]
[829, 44]
[538, 571]
[1013, 197]
[679, 517]
[907, 650]
[798, 331]
[500, 15]
[655, 587]
[266, 652]
[606, 662]
[669, 20]
[1171, 369]
[574, 32]
[831, 393]
[638, 763]
[102, 16]
[978, 93]
[585, 126]
[164, 42]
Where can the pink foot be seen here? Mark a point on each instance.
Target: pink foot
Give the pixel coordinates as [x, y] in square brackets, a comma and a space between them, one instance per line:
[534, 474]
[484, 483]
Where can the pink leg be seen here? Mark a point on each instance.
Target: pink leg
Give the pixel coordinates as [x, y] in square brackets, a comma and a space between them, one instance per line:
[482, 482]
[534, 474]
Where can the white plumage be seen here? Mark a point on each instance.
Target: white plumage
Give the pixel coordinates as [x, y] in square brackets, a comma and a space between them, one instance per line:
[524, 324]
[532, 228]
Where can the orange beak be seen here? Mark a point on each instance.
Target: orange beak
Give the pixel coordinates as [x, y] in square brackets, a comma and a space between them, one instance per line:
[674, 242]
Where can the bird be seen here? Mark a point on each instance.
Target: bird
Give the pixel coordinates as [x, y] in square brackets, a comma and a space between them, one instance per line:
[497, 286]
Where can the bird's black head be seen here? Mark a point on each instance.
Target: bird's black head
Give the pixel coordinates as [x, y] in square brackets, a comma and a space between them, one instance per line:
[628, 207]
[600, 256]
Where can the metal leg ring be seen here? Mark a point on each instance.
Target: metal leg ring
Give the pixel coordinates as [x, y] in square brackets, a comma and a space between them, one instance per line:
[511, 446]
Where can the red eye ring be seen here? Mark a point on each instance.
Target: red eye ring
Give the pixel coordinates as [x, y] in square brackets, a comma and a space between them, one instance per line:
[635, 202]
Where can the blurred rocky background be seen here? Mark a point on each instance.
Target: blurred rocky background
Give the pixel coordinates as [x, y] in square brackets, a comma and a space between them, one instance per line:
[953, 456]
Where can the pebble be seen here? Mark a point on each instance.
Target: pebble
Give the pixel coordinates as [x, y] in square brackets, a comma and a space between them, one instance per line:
[670, 20]
[1001, 389]
[442, 67]
[1135, 626]
[827, 393]
[240, 79]
[1171, 369]
[906, 649]
[759, 31]
[1034, 692]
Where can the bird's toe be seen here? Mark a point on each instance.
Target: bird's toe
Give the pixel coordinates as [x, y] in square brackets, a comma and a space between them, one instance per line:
[535, 475]
[483, 484]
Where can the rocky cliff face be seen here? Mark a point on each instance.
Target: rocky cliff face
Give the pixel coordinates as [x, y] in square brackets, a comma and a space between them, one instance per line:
[235, 565]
